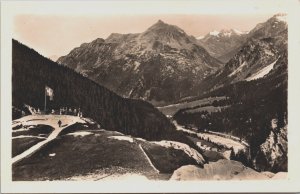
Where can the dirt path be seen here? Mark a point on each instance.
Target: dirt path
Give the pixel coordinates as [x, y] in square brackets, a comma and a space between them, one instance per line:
[48, 120]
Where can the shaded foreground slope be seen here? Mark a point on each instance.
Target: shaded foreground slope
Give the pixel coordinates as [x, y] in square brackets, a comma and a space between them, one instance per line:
[83, 151]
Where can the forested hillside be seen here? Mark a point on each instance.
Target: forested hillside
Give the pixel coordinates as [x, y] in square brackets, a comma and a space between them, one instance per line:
[32, 72]
[250, 108]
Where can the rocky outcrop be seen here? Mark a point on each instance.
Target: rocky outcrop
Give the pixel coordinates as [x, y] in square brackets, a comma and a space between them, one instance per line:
[220, 170]
[272, 155]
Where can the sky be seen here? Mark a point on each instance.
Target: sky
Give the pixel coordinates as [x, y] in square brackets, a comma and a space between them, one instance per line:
[54, 30]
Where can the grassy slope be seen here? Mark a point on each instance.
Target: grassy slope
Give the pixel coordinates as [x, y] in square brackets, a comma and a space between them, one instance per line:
[21, 144]
[80, 156]
[97, 154]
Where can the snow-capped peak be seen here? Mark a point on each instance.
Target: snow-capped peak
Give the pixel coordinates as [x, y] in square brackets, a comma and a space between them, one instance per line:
[226, 33]
[214, 33]
[281, 17]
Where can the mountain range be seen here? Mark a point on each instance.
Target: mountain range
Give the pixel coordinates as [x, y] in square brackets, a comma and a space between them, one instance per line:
[163, 64]
[158, 65]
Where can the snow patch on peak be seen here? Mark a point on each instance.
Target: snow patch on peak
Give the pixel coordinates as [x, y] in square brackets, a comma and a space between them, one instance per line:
[200, 37]
[281, 17]
[214, 33]
[228, 34]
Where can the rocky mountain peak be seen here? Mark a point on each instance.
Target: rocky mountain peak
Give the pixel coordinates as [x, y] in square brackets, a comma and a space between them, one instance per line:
[282, 17]
[114, 36]
[162, 28]
[161, 34]
[160, 22]
[271, 28]
[98, 41]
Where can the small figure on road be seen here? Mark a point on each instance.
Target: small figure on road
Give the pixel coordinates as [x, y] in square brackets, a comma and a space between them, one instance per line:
[59, 123]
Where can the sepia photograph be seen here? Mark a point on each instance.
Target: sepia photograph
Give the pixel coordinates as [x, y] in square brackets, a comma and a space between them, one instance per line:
[163, 91]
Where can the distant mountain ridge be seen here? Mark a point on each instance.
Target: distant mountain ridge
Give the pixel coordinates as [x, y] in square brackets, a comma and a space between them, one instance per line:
[159, 65]
[264, 50]
[223, 44]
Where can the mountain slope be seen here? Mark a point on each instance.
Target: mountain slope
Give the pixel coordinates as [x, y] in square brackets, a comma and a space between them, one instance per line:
[160, 64]
[31, 72]
[264, 49]
[224, 44]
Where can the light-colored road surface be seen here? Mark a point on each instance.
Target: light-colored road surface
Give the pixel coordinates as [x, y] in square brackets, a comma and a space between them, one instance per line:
[51, 120]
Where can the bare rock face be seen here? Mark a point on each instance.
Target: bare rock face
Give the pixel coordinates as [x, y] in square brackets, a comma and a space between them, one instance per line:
[272, 155]
[220, 170]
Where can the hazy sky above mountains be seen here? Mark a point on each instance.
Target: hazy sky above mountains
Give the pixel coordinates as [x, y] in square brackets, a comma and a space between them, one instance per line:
[56, 30]
[57, 35]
